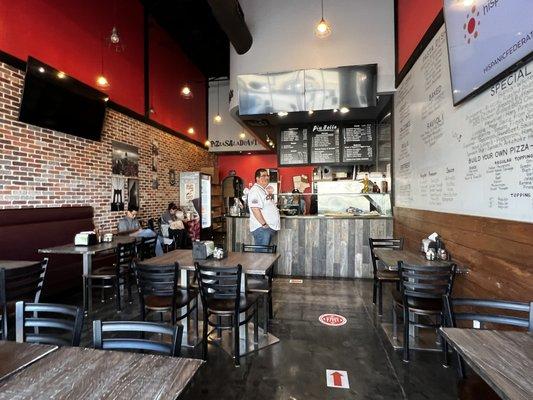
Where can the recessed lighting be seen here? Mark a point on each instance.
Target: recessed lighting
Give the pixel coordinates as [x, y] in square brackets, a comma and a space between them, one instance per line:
[190, 131]
[248, 153]
[242, 135]
[310, 112]
[207, 143]
[61, 75]
[282, 114]
[344, 110]
[41, 70]
[335, 110]
[106, 99]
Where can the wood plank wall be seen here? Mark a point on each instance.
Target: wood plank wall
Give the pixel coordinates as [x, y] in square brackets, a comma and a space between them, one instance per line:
[498, 253]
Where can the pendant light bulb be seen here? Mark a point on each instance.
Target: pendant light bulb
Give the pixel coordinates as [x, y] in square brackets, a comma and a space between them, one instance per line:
[114, 38]
[186, 92]
[322, 29]
[102, 81]
[217, 119]
[190, 131]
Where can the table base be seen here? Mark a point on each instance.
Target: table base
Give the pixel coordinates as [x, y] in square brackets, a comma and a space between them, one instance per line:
[225, 342]
[425, 340]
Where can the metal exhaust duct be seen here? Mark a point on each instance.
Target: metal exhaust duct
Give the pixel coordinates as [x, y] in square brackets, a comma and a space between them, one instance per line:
[230, 17]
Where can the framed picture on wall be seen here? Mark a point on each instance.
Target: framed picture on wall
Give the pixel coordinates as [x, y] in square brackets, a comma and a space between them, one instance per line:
[134, 199]
[125, 159]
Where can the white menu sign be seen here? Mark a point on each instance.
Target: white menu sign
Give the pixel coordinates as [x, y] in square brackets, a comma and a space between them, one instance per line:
[474, 159]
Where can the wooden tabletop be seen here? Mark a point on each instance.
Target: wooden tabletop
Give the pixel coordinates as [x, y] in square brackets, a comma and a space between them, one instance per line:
[94, 249]
[79, 373]
[14, 264]
[503, 359]
[15, 356]
[391, 257]
[252, 263]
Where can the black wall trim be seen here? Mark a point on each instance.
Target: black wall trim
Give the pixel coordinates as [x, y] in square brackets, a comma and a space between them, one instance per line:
[21, 65]
[146, 60]
[430, 33]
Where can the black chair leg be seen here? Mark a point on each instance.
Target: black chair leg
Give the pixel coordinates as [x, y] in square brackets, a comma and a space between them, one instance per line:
[445, 352]
[256, 326]
[394, 322]
[405, 334]
[204, 336]
[380, 298]
[117, 293]
[374, 289]
[237, 344]
[270, 309]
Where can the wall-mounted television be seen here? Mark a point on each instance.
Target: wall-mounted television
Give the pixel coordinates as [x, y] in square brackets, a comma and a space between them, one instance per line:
[51, 99]
[487, 39]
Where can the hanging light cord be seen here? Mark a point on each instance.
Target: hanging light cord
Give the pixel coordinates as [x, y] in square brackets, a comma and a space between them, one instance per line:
[322, 9]
[218, 98]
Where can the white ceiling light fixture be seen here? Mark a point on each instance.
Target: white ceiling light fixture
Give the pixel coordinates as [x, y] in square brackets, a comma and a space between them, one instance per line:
[322, 29]
[282, 114]
[344, 110]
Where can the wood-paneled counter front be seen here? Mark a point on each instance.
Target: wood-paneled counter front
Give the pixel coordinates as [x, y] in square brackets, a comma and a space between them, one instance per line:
[319, 246]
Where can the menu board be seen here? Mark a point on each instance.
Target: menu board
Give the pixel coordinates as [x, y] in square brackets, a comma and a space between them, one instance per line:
[474, 159]
[358, 143]
[325, 144]
[293, 149]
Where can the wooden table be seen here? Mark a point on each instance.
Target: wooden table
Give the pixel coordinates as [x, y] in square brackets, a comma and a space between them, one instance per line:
[252, 264]
[78, 373]
[390, 258]
[14, 264]
[87, 252]
[16, 356]
[503, 359]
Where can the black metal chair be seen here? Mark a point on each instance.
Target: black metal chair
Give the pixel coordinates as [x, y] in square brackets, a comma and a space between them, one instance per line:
[262, 284]
[159, 292]
[44, 323]
[220, 290]
[17, 284]
[132, 335]
[421, 291]
[115, 275]
[462, 312]
[147, 248]
[381, 275]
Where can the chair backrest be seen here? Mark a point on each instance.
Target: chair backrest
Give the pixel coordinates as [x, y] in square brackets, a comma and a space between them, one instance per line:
[424, 281]
[388, 243]
[494, 312]
[147, 247]
[219, 283]
[157, 280]
[134, 335]
[257, 248]
[44, 323]
[125, 255]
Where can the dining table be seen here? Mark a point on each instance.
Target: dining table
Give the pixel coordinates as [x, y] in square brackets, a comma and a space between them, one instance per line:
[16, 356]
[87, 253]
[252, 264]
[14, 264]
[89, 374]
[503, 359]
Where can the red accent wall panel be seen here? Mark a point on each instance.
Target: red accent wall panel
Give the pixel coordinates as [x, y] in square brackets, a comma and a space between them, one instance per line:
[69, 36]
[170, 69]
[245, 166]
[414, 17]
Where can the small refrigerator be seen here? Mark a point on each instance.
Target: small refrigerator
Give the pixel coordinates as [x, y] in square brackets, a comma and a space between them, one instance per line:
[195, 200]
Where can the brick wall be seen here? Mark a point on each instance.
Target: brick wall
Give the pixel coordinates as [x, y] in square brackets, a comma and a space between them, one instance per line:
[44, 168]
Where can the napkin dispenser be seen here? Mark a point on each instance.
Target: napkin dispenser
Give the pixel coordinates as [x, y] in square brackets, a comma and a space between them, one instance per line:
[202, 249]
[87, 238]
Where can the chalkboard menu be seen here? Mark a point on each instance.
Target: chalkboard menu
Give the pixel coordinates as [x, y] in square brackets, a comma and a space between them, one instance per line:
[325, 144]
[358, 143]
[293, 146]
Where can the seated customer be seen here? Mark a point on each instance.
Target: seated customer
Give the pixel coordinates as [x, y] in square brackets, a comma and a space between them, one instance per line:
[175, 219]
[130, 225]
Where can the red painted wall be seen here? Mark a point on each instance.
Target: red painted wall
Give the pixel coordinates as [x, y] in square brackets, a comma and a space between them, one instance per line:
[246, 165]
[170, 69]
[68, 35]
[414, 19]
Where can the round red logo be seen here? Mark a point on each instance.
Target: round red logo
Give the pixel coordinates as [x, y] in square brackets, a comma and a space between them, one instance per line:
[332, 319]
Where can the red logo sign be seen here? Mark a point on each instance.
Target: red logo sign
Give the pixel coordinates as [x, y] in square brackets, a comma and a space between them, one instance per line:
[471, 25]
[332, 319]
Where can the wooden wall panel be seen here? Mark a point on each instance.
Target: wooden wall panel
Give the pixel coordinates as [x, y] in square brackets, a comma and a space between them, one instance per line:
[498, 253]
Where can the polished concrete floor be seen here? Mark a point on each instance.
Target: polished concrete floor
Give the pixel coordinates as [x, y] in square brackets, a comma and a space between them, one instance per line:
[295, 368]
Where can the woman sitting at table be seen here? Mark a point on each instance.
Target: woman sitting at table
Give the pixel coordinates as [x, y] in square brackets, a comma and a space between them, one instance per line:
[129, 224]
[174, 219]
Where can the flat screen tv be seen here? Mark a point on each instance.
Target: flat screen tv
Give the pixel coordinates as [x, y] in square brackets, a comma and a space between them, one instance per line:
[54, 100]
[487, 39]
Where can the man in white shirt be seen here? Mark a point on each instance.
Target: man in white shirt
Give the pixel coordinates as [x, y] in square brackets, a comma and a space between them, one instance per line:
[264, 214]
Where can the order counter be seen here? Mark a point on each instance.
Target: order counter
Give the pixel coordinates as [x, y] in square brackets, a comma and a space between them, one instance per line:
[319, 245]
